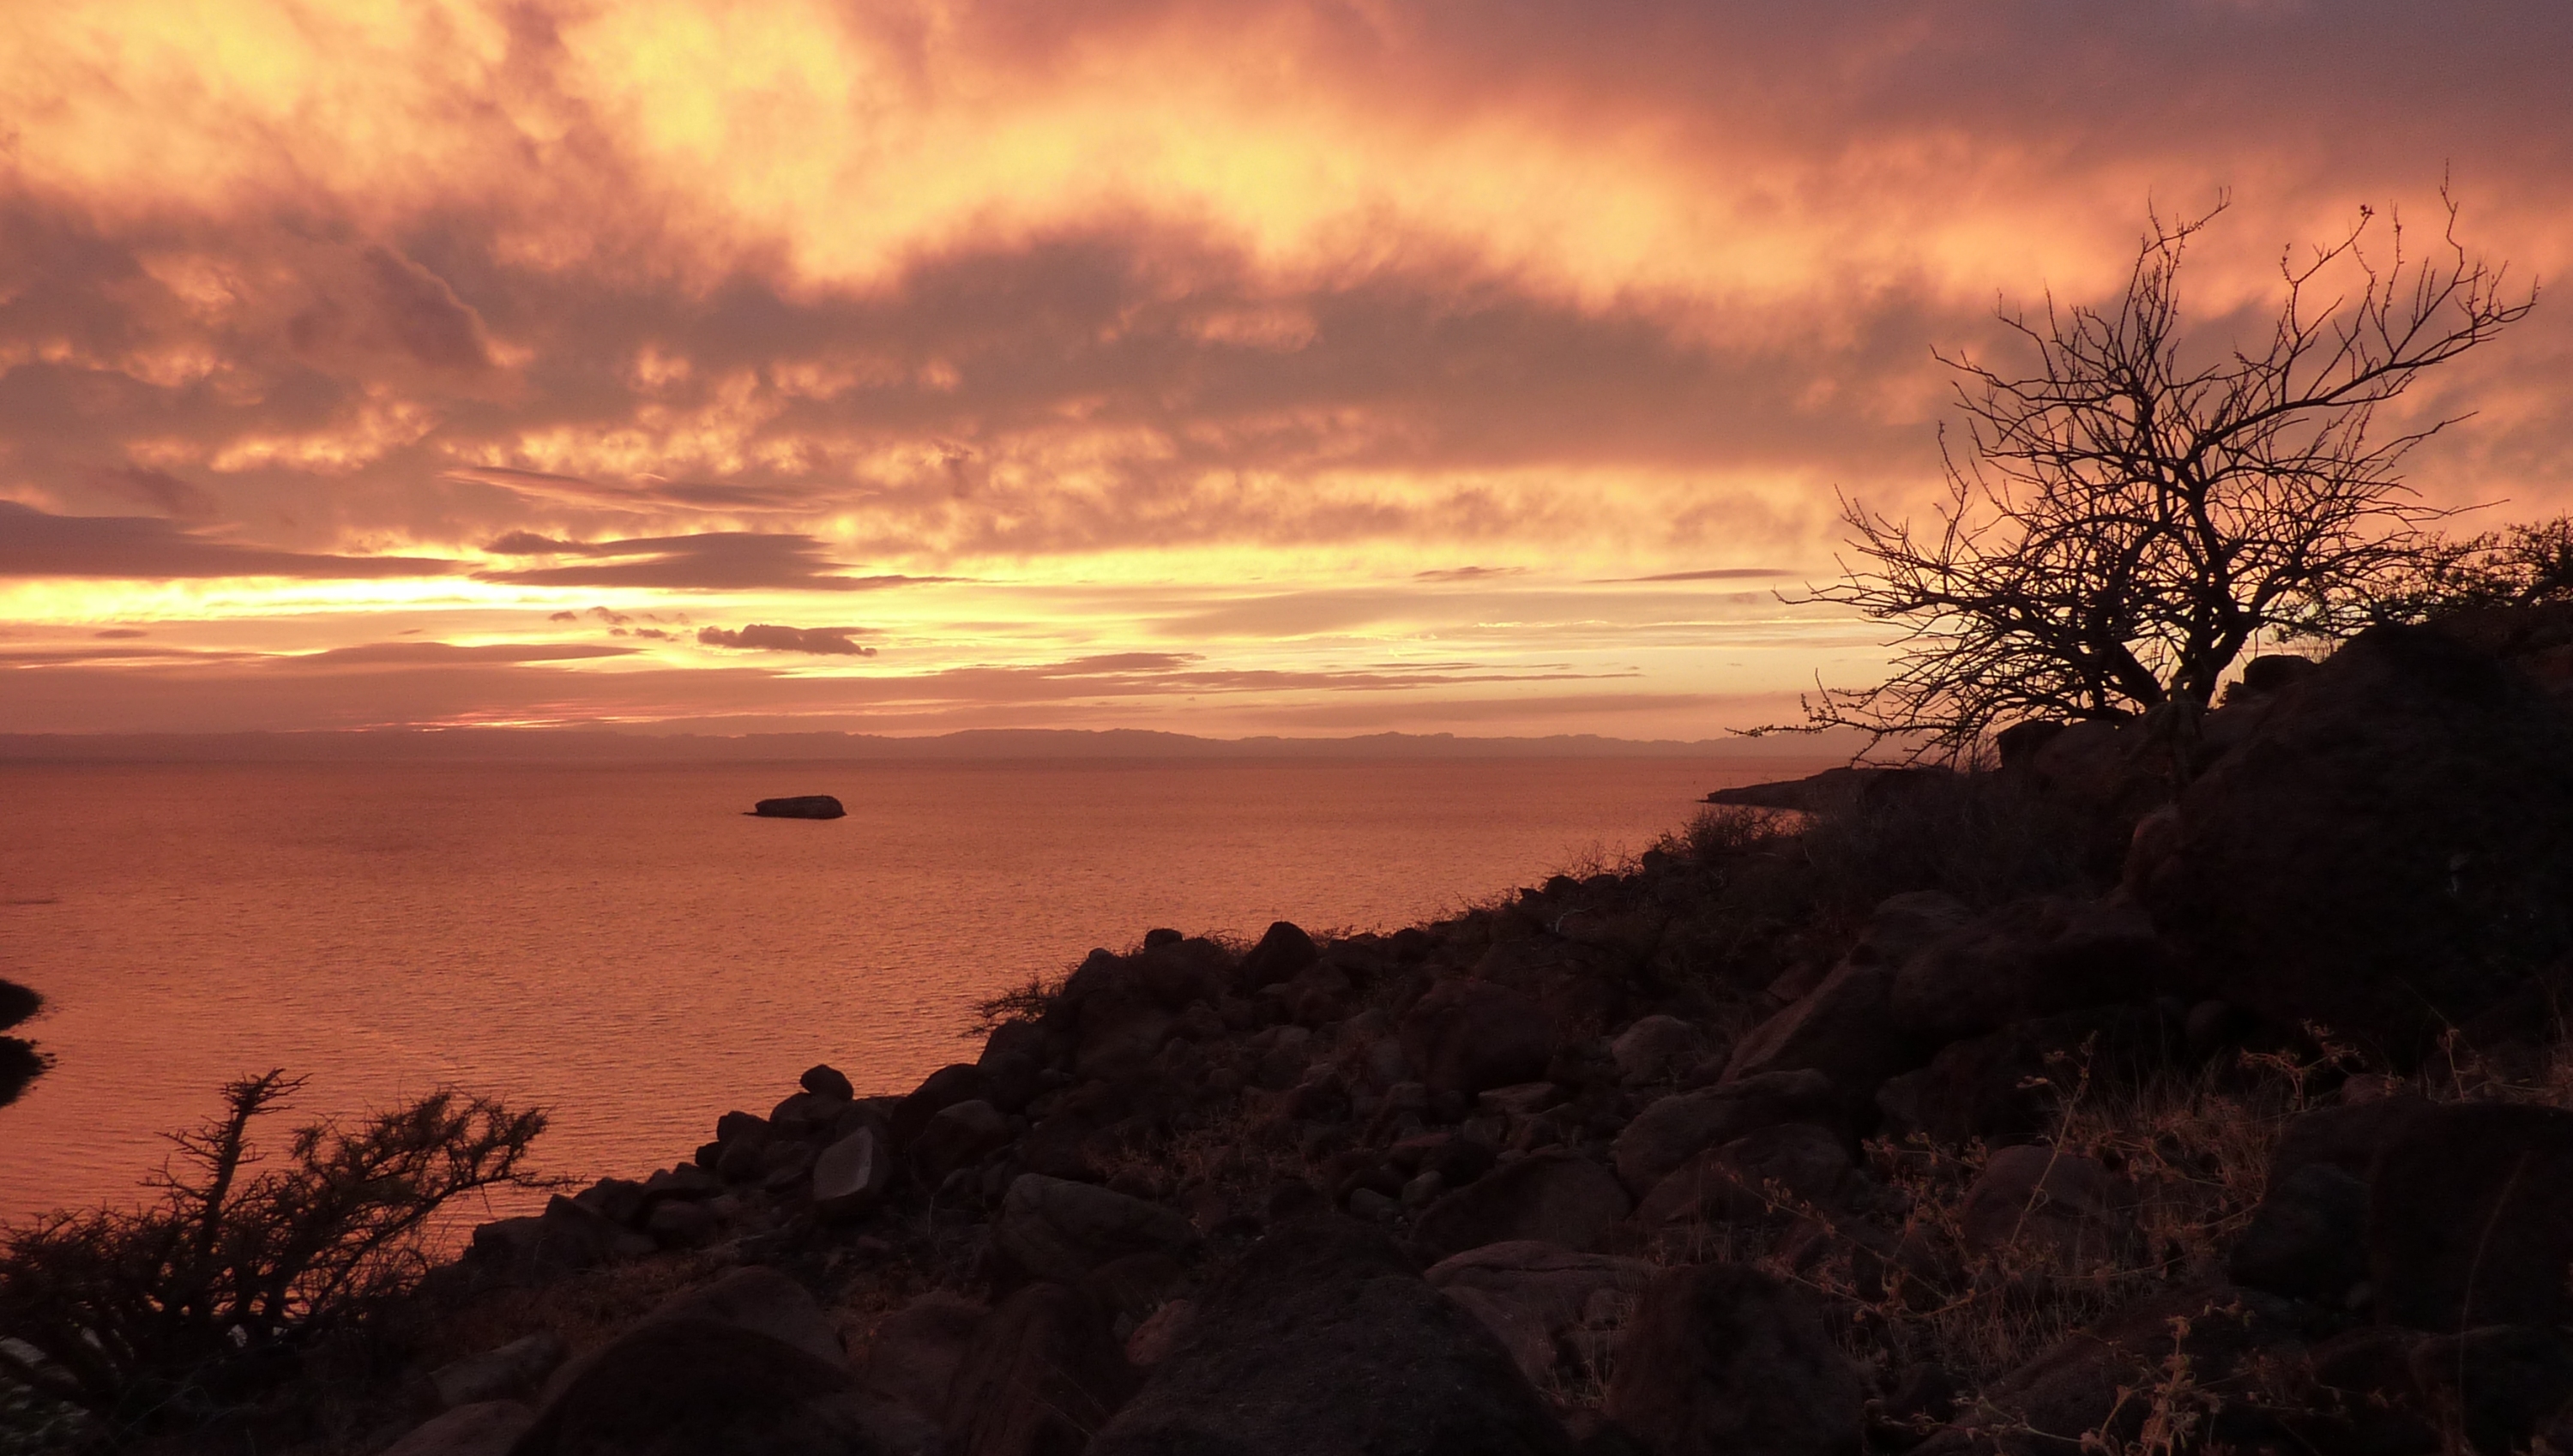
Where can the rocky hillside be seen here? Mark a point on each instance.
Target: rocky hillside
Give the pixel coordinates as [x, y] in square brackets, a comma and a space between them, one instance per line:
[2183, 1082]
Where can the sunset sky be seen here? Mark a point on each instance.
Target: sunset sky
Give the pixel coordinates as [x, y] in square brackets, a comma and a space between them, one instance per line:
[1224, 368]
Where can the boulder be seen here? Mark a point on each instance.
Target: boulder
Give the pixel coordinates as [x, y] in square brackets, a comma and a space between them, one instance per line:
[1284, 950]
[2308, 1237]
[2043, 1205]
[516, 1371]
[1843, 1026]
[913, 1355]
[1842, 1029]
[2466, 1217]
[826, 1080]
[681, 1225]
[2498, 1385]
[763, 1300]
[800, 806]
[1554, 1196]
[2348, 1136]
[1720, 1359]
[1466, 1035]
[2009, 1086]
[1119, 1035]
[2032, 958]
[1655, 1049]
[1061, 1231]
[487, 1428]
[958, 1136]
[1775, 1172]
[850, 1177]
[1322, 1342]
[1042, 1374]
[565, 1236]
[2383, 852]
[1675, 1128]
[961, 1081]
[704, 1387]
[1529, 1293]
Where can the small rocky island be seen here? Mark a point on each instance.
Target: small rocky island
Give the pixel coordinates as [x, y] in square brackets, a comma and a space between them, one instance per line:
[800, 806]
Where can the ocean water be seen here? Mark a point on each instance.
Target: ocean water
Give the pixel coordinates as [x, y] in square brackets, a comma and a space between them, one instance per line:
[623, 946]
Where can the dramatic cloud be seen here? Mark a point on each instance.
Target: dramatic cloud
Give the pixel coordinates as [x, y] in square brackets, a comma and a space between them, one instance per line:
[714, 561]
[762, 637]
[1308, 335]
[34, 543]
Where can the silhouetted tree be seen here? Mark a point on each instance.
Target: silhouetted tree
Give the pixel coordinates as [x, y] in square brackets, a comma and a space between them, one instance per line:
[135, 1311]
[2123, 523]
[2517, 565]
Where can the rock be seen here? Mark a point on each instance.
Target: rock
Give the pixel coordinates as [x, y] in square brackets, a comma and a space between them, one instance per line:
[619, 1200]
[1656, 1048]
[1120, 1033]
[514, 1372]
[825, 1080]
[1519, 1099]
[800, 806]
[1324, 1342]
[2383, 852]
[958, 1136]
[702, 1387]
[1554, 1196]
[2040, 1203]
[850, 1177]
[2355, 1393]
[1675, 1128]
[1722, 1358]
[763, 1300]
[681, 1225]
[564, 1236]
[2347, 1136]
[2009, 1086]
[2032, 958]
[2466, 1217]
[1042, 1374]
[1061, 1230]
[1529, 1292]
[1775, 1172]
[1159, 1335]
[1843, 1027]
[2308, 1237]
[913, 1353]
[961, 1081]
[486, 1428]
[686, 1182]
[2499, 1385]
[1466, 1035]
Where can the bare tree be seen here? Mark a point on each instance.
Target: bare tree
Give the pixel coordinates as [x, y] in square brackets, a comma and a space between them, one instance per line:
[2126, 525]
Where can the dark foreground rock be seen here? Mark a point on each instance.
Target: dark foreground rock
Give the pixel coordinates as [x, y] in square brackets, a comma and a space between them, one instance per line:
[800, 806]
[1325, 1342]
[1722, 1358]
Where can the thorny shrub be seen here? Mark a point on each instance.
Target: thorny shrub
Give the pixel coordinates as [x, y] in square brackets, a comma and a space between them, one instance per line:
[176, 1309]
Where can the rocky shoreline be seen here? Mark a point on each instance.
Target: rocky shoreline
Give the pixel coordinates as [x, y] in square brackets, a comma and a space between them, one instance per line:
[2191, 1082]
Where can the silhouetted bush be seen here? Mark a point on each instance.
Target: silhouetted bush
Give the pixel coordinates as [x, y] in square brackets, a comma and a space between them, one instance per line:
[176, 1309]
[19, 1060]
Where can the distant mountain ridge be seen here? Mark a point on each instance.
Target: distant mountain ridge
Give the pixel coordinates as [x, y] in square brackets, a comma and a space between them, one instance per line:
[595, 745]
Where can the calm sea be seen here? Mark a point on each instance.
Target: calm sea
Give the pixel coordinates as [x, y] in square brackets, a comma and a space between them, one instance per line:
[624, 947]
